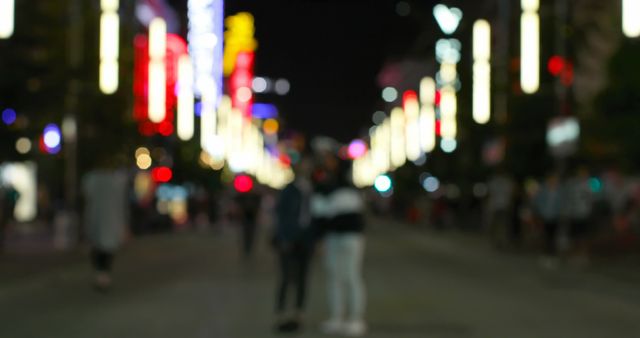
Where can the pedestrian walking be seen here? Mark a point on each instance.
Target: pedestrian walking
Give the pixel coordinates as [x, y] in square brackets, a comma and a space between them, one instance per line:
[341, 207]
[105, 217]
[294, 241]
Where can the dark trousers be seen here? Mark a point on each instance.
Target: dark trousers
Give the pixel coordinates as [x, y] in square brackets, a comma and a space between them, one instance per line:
[101, 260]
[248, 237]
[294, 266]
[550, 237]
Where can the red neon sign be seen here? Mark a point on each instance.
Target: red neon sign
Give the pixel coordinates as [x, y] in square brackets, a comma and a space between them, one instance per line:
[240, 83]
[176, 46]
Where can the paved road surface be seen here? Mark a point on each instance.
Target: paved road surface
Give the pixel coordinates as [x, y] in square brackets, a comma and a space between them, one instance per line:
[420, 284]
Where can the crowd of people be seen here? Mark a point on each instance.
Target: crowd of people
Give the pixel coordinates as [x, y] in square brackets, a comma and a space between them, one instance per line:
[566, 215]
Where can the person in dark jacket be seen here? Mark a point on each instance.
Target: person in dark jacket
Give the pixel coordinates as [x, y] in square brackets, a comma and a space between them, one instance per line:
[294, 240]
[341, 207]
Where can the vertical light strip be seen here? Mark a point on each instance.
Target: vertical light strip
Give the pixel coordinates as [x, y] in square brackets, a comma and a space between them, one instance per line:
[185, 118]
[427, 114]
[205, 36]
[448, 112]
[7, 18]
[412, 126]
[109, 46]
[530, 46]
[157, 70]
[630, 20]
[481, 71]
[398, 150]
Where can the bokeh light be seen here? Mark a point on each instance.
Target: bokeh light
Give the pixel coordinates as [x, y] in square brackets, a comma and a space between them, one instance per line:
[52, 136]
[23, 145]
[357, 148]
[9, 116]
[382, 183]
[389, 94]
[162, 174]
[282, 87]
[243, 183]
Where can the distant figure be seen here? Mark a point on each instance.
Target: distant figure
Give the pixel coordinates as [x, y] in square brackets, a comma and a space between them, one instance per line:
[8, 199]
[580, 199]
[499, 208]
[547, 205]
[105, 216]
[294, 240]
[341, 206]
[249, 206]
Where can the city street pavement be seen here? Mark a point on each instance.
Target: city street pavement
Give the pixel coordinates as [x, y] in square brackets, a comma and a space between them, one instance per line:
[420, 284]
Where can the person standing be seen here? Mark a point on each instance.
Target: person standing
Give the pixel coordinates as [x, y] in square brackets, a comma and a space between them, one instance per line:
[547, 204]
[342, 206]
[105, 217]
[8, 199]
[249, 206]
[580, 204]
[294, 241]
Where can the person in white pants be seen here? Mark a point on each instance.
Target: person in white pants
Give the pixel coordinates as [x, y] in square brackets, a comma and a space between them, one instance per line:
[339, 206]
[346, 289]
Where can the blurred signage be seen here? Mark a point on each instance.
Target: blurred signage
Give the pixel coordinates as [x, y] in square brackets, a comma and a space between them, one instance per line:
[238, 38]
[206, 45]
[264, 111]
[240, 83]
[563, 134]
[176, 47]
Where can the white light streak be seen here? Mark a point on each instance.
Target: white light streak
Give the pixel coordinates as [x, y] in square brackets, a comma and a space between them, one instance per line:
[530, 47]
[185, 120]
[481, 71]
[109, 46]
[206, 21]
[157, 72]
[630, 22]
[7, 20]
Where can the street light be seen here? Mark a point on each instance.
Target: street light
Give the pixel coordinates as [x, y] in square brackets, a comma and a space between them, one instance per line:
[7, 13]
[630, 22]
[530, 46]
[481, 71]
[109, 46]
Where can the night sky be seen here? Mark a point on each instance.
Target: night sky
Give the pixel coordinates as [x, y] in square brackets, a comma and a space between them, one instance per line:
[331, 52]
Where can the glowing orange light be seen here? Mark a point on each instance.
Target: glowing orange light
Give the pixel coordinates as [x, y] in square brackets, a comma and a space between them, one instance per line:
[270, 126]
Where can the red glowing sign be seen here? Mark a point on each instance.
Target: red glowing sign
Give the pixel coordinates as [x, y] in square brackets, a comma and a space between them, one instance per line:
[176, 46]
[240, 83]
[243, 183]
[162, 174]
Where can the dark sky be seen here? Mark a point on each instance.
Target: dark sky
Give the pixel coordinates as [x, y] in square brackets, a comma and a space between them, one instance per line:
[331, 52]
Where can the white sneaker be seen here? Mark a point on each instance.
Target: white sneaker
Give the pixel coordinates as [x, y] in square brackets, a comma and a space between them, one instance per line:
[355, 329]
[333, 326]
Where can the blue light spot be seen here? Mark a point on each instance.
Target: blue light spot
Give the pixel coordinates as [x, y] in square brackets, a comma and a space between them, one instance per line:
[9, 116]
